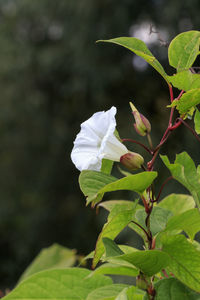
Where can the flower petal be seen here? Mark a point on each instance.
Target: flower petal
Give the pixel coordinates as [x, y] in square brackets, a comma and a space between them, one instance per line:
[96, 141]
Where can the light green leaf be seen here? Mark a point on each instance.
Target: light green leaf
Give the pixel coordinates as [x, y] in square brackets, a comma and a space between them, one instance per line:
[177, 203]
[113, 269]
[197, 121]
[185, 172]
[172, 289]
[70, 283]
[108, 292]
[106, 166]
[187, 101]
[137, 183]
[184, 49]
[139, 48]
[119, 205]
[158, 219]
[110, 230]
[149, 262]
[116, 206]
[185, 260]
[130, 293]
[94, 184]
[55, 256]
[189, 221]
[185, 80]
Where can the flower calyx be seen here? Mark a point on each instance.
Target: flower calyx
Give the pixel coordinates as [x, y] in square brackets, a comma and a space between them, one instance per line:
[142, 124]
[132, 161]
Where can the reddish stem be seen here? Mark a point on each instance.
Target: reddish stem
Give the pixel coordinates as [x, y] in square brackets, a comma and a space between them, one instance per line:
[161, 189]
[191, 129]
[171, 93]
[138, 143]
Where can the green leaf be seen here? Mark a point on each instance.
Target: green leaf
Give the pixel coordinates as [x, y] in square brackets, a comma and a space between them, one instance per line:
[184, 49]
[188, 101]
[70, 283]
[184, 171]
[91, 182]
[189, 221]
[55, 256]
[149, 262]
[130, 293]
[158, 219]
[172, 289]
[108, 292]
[106, 166]
[111, 248]
[139, 48]
[185, 80]
[113, 269]
[177, 203]
[116, 206]
[94, 184]
[119, 205]
[110, 230]
[137, 183]
[185, 260]
[197, 121]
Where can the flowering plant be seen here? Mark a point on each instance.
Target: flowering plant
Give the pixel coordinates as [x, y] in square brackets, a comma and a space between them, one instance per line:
[169, 265]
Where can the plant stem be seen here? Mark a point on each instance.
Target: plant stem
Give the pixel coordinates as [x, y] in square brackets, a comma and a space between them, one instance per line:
[146, 233]
[191, 129]
[138, 143]
[161, 189]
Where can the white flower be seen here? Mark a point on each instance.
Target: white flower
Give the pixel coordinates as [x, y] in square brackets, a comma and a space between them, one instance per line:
[96, 141]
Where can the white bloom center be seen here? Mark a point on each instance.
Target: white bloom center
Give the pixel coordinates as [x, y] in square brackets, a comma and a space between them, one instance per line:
[96, 141]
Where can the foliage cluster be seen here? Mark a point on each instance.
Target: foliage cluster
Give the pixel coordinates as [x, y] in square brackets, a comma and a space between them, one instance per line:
[169, 265]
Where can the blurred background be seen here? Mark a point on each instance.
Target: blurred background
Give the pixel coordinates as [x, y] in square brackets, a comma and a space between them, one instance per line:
[53, 76]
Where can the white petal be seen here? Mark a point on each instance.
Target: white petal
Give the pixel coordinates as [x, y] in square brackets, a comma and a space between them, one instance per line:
[112, 148]
[96, 141]
[85, 159]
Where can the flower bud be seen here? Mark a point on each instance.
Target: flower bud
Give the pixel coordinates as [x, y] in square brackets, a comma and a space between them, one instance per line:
[141, 282]
[132, 160]
[142, 125]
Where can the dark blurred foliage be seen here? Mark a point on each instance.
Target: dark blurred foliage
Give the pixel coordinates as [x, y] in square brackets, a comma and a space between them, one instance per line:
[53, 76]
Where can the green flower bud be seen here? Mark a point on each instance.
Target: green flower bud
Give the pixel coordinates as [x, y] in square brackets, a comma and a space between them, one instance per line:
[142, 282]
[142, 125]
[132, 160]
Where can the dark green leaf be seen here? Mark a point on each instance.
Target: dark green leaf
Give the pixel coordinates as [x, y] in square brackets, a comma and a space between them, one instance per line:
[111, 247]
[149, 262]
[94, 184]
[158, 219]
[91, 182]
[172, 289]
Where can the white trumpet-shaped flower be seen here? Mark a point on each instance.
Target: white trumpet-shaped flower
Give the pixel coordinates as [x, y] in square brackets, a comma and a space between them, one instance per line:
[96, 141]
